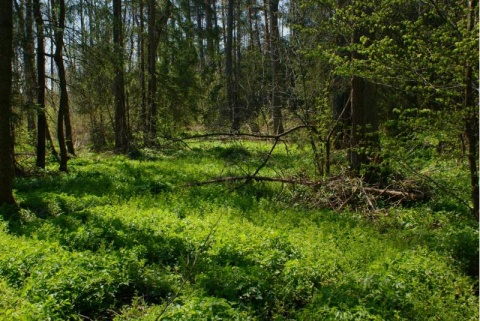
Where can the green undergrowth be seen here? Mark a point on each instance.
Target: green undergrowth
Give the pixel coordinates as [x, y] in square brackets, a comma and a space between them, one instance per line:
[126, 238]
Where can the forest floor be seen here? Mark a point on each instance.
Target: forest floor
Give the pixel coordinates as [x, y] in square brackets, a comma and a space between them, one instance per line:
[131, 238]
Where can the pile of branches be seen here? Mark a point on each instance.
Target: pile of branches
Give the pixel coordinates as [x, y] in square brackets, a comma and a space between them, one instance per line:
[340, 192]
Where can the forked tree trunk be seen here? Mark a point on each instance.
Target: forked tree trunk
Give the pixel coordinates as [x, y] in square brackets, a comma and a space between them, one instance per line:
[63, 106]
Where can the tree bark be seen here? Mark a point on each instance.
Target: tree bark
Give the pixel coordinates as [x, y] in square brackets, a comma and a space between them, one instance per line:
[6, 139]
[209, 34]
[121, 129]
[231, 95]
[471, 120]
[68, 128]
[155, 27]
[364, 141]
[63, 106]
[152, 75]
[275, 65]
[25, 15]
[200, 33]
[141, 52]
[41, 119]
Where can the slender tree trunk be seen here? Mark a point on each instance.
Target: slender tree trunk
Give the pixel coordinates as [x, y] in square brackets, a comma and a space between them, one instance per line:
[152, 74]
[51, 144]
[121, 129]
[257, 35]
[29, 68]
[59, 24]
[6, 139]
[141, 52]
[266, 26]
[41, 119]
[155, 27]
[251, 40]
[209, 34]
[200, 33]
[229, 65]
[471, 120]
[275, 65]
[82, 23]
[356, 157]
[237, 114]
[216, 36]
[68, 128]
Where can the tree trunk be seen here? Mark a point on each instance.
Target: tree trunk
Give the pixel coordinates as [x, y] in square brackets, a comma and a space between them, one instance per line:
[209, 34]
[68, 127]
[275, 65]
[121, 130]
[152, 75]
[6, 139]
[364, 140]
[471, 120]
[266, 26]
[229, 66]
[155, 27]
[41, 119]
[28, 44]
[141, 52]
[200, 33]
[59, 24]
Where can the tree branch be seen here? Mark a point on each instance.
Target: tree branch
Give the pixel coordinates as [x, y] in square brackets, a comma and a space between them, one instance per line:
[260, 136]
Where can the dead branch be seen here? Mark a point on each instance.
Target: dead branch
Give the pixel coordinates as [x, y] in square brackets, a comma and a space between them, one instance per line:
[249, 178]
[394, 193]
[259, 136]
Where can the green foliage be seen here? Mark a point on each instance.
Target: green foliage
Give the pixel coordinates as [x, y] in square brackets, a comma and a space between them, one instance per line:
[402, 287]
[123, 239]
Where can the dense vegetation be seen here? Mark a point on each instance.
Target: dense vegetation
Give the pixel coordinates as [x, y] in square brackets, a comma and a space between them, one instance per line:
[126, 238]
[239, 160]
